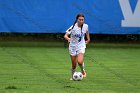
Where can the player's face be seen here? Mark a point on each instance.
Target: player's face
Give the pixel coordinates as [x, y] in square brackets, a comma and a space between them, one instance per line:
[80, 20]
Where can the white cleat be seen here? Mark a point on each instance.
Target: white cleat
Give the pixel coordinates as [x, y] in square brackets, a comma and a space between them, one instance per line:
[71, 79]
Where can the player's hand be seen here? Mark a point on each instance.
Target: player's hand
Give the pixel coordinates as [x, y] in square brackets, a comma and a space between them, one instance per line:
[69, 39]
[87, 41]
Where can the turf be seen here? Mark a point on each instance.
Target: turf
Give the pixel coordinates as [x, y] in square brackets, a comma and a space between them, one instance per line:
[47, 70]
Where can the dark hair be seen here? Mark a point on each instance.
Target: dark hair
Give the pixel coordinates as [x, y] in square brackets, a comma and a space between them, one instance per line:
[79, 15]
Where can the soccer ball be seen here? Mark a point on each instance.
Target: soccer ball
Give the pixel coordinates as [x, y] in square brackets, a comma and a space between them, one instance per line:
[77, 76]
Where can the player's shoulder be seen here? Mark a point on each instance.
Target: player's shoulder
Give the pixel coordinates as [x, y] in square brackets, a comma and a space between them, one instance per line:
[85, 25]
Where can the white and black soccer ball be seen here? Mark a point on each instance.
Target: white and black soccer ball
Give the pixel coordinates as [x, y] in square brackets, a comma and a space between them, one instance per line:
[77, 76]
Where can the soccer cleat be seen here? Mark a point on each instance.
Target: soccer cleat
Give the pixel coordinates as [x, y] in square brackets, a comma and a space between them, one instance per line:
[84, 73]
[71, 79]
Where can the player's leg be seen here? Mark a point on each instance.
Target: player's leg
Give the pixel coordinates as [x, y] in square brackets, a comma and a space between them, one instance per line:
[74, 63]
[73, 60]
[80, 60]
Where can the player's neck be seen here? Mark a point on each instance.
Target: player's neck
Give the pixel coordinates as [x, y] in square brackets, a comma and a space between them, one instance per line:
[79, 25]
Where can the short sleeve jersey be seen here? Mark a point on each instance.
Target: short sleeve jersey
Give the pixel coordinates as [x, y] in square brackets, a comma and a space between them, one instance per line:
[78, 36]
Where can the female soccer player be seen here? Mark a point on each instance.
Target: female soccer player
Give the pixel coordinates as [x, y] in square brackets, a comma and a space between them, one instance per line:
[77, 42]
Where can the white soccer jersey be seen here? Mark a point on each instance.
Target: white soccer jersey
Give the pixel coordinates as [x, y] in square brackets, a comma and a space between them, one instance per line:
[78, 36]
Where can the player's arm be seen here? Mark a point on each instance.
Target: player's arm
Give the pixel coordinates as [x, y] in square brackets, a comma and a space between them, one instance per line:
[66, 36]
[88, 37]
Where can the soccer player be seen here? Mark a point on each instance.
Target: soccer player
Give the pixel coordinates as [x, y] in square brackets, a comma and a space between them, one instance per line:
[77, 42]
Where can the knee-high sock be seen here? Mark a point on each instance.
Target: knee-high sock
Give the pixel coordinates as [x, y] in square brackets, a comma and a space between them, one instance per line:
[82, 67]
[73, 71]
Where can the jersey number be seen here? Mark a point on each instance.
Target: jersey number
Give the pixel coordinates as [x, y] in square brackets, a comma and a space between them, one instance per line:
[79, 39]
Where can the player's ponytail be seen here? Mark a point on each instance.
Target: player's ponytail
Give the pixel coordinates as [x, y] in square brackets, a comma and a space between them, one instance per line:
[81, 28]
[73, 25]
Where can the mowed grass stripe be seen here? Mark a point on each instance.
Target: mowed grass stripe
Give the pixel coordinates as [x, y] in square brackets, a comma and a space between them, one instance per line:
[113, 71]
[24, 60]
[55, 77]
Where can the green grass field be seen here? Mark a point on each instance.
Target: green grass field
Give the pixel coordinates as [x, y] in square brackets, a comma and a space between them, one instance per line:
[110, 69]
